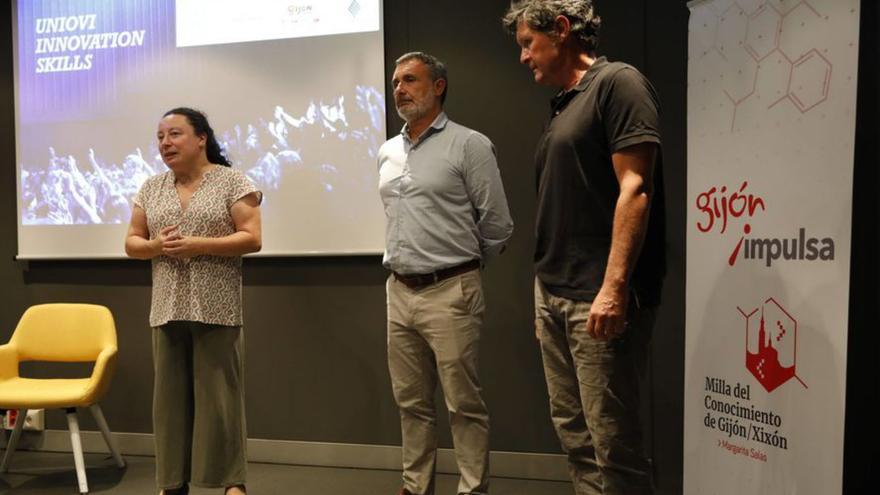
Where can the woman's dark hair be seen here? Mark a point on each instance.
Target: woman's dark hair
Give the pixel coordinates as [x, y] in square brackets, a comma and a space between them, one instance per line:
[199, 123]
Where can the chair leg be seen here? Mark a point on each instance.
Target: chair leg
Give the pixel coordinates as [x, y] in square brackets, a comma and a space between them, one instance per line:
[75, 442]
[13, 440]
[105, 431]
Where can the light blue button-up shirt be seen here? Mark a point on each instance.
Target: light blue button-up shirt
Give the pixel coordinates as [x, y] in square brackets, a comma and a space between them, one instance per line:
[444, 201]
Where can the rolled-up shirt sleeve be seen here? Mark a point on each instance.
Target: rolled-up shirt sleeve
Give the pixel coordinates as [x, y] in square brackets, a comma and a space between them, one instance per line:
[486, 192]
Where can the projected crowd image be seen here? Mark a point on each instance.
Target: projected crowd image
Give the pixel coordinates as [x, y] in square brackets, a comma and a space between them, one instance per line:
[296, 98]
[66, 189]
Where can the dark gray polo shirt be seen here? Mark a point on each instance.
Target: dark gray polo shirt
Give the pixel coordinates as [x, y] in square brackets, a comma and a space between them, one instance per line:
[612, 107]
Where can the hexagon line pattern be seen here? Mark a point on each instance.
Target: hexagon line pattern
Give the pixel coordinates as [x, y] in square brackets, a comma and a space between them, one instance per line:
[744, 33]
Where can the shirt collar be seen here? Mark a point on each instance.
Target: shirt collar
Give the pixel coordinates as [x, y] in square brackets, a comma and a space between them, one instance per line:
[437, 125]
[564, 95]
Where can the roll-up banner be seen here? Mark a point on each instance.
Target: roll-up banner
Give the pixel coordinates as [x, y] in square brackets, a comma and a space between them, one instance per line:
[771, 130]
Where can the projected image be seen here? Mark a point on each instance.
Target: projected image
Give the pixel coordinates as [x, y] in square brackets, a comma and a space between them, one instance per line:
[294, 90]
[65, 192]
[277, 149]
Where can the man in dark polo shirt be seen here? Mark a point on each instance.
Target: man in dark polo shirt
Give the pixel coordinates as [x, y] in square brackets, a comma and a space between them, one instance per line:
[600, 256]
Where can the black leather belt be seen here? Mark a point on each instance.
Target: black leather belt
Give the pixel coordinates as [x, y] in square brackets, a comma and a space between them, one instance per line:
[419, 281]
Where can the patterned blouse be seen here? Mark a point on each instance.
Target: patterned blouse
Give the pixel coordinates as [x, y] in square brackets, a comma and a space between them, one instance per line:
[206, 288]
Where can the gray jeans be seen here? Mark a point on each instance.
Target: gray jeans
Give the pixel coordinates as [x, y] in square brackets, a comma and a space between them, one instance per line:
[594, 394]
[198, 405]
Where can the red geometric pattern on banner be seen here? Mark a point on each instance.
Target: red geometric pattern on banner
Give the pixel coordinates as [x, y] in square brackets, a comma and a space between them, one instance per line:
[771, 355]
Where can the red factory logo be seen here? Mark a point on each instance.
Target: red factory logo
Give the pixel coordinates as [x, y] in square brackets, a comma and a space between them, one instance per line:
[771, 344]
[720, 207]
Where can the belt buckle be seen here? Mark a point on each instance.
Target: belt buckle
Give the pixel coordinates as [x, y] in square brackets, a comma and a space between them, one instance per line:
[435, 276]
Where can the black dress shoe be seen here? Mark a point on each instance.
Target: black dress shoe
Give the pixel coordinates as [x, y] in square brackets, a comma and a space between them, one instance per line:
[183, 490]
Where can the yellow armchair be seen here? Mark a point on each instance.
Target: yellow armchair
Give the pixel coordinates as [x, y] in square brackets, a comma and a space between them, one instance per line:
[60, 333]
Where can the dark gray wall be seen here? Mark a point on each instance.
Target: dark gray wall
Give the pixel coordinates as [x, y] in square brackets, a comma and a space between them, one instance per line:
[861, 439]
[315, 326]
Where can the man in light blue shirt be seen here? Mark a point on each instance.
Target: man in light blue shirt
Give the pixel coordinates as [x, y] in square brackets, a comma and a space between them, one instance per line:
[445, 212]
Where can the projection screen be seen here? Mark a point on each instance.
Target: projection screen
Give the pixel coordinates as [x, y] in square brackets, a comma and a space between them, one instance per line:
[294, 90]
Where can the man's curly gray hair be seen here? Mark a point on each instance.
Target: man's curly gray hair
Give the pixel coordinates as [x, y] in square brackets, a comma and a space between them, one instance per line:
[540, 15]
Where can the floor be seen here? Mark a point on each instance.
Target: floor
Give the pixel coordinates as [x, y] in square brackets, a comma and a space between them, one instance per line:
[53, 474]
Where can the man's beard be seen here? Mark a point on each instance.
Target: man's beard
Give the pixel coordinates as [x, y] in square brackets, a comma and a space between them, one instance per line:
[414, 111]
